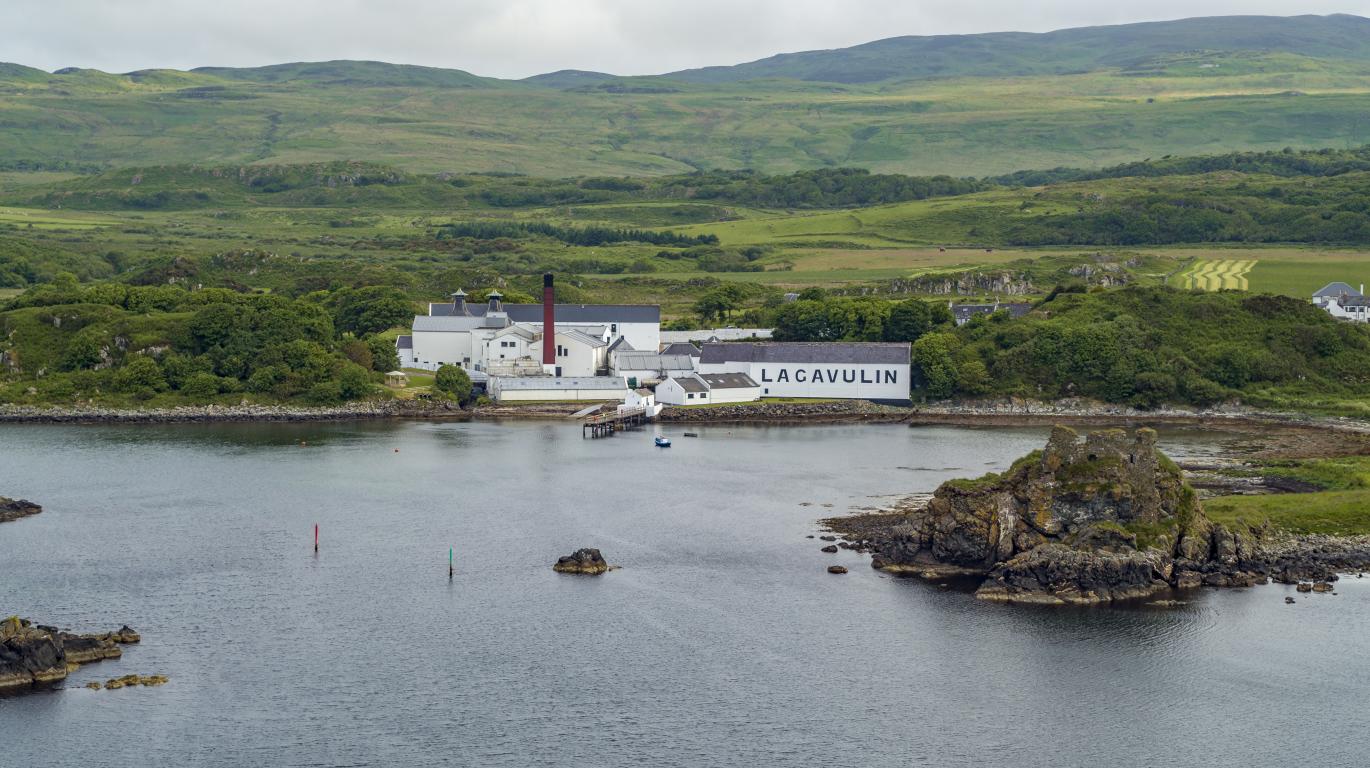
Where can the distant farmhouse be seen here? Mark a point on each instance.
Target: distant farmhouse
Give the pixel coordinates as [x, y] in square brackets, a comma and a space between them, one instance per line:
[1343, 302]
[962, 313]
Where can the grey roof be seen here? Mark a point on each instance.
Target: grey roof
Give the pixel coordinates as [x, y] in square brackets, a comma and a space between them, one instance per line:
[621, 345]
[1354, 301]
[681, 348]
[1336, 289]
[562, 383]
[964, 312]
[454, 323]
[515, 330]
[896, 353]
[634, 360]
[582, 337]
[728, 380]
[565, 313]
[691, 384]
[404, 342]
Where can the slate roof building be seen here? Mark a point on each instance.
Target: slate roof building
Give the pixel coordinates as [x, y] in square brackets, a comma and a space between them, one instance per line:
[504, 389]
[463, 333]
[1343, 302]
[842, 370]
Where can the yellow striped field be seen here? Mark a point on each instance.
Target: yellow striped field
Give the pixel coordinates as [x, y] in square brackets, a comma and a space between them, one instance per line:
[1217, 274]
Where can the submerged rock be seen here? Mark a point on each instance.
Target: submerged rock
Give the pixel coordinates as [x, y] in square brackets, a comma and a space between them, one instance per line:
[36, 654]
[13, 509]
[836, 569]
[586, 561]
[129, 681]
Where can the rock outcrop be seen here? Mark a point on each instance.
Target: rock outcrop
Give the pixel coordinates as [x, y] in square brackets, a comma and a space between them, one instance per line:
[13, 509]
[585, 561]
[1096, 520]
[35, 654]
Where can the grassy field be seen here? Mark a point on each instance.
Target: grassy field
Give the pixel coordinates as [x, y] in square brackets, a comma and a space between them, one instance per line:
[1341, 513]
[1288, 270]
[1217, 274]
[1342, 508]
[48, 219]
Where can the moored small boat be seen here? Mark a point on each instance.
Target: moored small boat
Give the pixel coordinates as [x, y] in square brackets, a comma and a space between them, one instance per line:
[663, 442]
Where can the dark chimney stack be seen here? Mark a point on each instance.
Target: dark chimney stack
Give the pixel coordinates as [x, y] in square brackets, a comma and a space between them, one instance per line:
[459, 302]
[496, 301]
[549, 322]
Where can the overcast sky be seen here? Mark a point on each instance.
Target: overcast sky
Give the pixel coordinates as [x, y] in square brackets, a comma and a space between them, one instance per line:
[517, 38]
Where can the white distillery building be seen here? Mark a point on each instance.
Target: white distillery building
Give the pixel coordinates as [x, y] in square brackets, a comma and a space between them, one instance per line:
[701, 388]
[841, 370]
[639, 324]
[498, 339]
[643, 368]
[505, 389]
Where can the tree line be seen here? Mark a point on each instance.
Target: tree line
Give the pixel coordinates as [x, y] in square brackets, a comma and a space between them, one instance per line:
[146, 342]
[582, 236]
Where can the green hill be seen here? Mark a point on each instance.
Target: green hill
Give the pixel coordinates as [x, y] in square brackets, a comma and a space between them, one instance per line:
[353, 73]
[1135, 47]
[962, 106]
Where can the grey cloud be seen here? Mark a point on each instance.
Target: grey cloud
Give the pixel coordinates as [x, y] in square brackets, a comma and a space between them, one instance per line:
[516, 38]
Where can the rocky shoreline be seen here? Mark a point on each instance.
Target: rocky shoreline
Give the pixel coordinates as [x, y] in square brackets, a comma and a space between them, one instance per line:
[368, 409]
[1106, 519]
[836, 411]
[14, 509]
[35, 655]
[1008, 412]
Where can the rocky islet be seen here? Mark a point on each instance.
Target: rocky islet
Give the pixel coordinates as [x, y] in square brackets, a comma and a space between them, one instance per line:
[1094, 520]
[585, 561]
[14, 509]
[35, 654]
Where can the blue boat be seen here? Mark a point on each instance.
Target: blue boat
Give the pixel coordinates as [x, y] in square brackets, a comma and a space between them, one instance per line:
[663, 442]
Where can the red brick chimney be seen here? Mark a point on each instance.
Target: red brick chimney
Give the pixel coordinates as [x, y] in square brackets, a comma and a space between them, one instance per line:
[549, 322]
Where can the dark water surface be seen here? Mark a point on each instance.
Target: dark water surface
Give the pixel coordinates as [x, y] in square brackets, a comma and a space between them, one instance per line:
[721, 642]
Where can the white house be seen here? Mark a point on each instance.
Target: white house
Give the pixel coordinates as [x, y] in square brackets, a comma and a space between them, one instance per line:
[731, 387]
[843, 370]
[697, 389]
[685, 390]
[644, 399]
[1343, 302]
[504, 389]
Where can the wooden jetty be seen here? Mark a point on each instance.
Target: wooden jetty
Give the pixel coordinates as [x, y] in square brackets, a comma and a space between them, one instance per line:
[606, 424]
